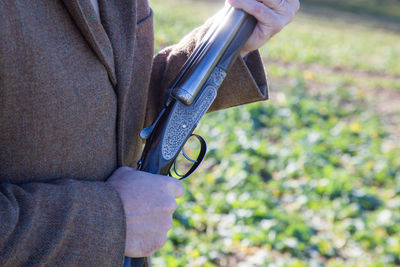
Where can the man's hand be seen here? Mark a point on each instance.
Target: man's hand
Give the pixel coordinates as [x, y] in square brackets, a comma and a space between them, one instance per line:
[149, 202]
[272, 16]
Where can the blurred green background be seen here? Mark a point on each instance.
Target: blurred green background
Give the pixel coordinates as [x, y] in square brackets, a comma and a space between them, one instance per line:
[311, 177]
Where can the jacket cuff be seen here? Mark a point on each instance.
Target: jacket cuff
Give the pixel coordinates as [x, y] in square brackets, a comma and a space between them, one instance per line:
[245, 83]
[119, 221]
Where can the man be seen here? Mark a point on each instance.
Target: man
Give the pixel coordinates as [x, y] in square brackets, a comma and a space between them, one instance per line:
[76, 87]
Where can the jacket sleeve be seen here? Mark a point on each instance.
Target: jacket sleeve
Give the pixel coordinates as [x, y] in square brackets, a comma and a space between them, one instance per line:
[65, 223]
[245, 83]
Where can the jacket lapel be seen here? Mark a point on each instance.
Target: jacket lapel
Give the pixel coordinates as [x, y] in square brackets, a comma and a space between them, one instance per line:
[85, 17]
[119, 21]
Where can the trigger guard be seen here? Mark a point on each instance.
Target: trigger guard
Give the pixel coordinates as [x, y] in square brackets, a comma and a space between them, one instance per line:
[200, 158]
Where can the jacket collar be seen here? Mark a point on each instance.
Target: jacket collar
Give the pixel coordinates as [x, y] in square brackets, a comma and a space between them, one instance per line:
[85, 18]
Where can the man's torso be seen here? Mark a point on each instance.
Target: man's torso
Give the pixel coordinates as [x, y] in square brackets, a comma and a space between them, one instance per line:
[60, 115]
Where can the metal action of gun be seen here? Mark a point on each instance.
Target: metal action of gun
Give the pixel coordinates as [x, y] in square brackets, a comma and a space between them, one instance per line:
[192, 94]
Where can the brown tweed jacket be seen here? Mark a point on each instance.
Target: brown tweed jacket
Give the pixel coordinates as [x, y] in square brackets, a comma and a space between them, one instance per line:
[74, 94]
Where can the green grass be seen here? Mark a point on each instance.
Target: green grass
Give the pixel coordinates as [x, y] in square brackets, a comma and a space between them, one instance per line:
[347, 78]
[311, 177]
[173, 19]
[296, 181]
[387, 9]
[337, 43]
[329, 40]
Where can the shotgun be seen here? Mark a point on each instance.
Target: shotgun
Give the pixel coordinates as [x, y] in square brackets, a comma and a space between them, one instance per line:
[192, 93]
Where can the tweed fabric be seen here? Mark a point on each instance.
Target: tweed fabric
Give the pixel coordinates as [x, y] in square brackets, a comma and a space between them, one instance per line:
[74, 94]
[57, 142]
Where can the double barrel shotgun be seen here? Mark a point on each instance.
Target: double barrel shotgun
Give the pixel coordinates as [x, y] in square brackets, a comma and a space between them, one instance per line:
[192, 93]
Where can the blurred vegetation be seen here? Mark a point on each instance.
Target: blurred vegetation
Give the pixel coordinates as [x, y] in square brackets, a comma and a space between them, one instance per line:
[389, 9]
[309, 178]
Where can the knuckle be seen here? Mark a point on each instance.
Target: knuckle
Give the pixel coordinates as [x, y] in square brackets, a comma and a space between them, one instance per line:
[275, 31]
[169, 224]
[165, 225]
[175, 187]
[233, 2]
[170, 206]
[282, 4]
[258, 10]
[160, 242]
[149, 251]
[157, 243]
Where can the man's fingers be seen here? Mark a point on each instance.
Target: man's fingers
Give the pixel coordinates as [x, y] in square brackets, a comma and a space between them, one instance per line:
[258, 9]
[277, 5]
[172, 185]
[282, 5]
[272, 16]
[254, 7]
[175, 187]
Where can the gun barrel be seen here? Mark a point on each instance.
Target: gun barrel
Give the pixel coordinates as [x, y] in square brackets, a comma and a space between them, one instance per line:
[190, 83]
